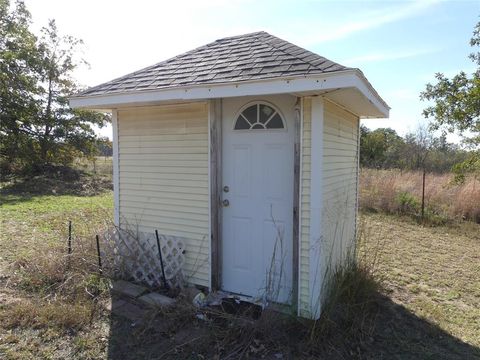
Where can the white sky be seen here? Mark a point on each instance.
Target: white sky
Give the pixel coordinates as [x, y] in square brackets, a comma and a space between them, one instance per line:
[399, 45]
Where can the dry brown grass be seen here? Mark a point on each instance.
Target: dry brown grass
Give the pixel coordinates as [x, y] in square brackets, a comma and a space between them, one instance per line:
[394, 191]
[28, 314]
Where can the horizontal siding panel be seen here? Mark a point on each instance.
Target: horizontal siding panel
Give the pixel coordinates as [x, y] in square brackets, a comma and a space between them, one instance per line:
[165, 149]
[166, 228]
[340, 156]
[141, 169]
[194, 190]
[339, 164]
[165, 146]
[187, 216]
[162, 182]
[175, 221]
[165, 125]
[169, 131]
[341, 143]
[160, 201]
[347, 171]
[194, 239]
[337, 183]
[342, 152]
[139, 207]
[137, 138]
[163, 177]
[340, 132]
[159, 163]
[165, 156]
[333, 108]
[145, 195]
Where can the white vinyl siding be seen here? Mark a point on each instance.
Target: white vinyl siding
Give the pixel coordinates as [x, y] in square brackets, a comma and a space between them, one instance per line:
[339, 194]
[163, 177]
[340, 176]
[305, 176]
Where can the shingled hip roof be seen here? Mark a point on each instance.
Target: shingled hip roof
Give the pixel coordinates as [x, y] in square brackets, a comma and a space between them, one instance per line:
[252, 56]
[253, 64]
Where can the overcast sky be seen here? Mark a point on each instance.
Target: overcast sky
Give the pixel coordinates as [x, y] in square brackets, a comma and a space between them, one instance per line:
[399, 45]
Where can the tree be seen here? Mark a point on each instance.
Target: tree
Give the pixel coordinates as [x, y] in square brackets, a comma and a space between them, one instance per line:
[37, 125]
[457, 107]
[417, 148]
[379, 148]
[19, 75]
[457, 100]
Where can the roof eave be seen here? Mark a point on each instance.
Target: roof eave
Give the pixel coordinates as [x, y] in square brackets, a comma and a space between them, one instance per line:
[321, 83]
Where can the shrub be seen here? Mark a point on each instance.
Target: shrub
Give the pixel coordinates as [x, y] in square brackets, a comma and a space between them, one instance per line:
[407, 203]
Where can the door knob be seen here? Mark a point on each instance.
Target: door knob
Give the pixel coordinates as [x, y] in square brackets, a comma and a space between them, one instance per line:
[225, 203]
[226, 189]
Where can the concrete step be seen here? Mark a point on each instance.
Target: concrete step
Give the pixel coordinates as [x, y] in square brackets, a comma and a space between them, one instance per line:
[128, 289]
[156, 300]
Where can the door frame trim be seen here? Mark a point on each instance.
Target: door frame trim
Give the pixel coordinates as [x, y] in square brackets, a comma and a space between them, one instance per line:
[215, 119]
[215, 177]
[298, 110]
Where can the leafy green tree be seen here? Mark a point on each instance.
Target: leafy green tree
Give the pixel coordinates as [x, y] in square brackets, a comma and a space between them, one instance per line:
[456, 106]
[38, 127]
[379, 148]
[19, 76]
[457, 100]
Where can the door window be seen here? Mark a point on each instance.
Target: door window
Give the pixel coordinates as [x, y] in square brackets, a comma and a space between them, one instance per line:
[259, 116]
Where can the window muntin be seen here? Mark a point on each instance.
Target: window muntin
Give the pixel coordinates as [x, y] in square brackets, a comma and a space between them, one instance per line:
[259, 117]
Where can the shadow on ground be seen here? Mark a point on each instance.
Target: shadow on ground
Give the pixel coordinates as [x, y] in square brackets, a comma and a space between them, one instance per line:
[391, 332]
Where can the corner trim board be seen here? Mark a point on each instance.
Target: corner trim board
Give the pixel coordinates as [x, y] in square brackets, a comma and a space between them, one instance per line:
[296, 205]
[116, 173]
[316, 202]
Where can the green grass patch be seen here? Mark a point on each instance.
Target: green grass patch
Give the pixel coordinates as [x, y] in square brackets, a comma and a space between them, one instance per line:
[29, 222]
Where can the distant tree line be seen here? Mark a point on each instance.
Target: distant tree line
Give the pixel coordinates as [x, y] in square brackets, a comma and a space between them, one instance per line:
[38, 128]
[383, 148]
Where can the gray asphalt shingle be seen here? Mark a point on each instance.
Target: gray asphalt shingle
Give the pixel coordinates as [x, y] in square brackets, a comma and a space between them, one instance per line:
[246, 57]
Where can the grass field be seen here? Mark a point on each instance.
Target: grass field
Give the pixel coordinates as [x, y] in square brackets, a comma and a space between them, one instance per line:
[428, 306]
[394, 191]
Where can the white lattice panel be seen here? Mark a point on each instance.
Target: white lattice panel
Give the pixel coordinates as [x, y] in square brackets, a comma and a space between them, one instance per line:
[135, 255]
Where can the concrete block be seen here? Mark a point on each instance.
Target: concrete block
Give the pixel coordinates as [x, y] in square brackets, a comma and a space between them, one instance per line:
[156, 300]
[128, 289]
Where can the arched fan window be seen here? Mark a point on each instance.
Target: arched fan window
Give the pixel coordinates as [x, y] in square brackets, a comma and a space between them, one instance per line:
[259, 117]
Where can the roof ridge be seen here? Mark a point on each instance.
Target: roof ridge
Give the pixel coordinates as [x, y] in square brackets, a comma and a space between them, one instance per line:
[243, 35]
[302, 58]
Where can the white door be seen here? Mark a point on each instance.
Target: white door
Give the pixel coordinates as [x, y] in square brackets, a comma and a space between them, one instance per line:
[257, 215]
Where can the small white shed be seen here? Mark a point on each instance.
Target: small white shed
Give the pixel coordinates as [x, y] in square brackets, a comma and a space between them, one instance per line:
[247, 148]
